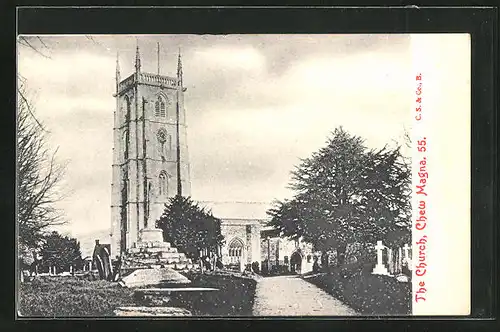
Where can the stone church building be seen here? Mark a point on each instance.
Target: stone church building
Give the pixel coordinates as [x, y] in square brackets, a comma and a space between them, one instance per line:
[151, 164]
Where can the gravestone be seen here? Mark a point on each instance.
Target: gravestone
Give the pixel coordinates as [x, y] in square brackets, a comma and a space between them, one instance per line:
[399, 266]
[390, 261]
[407, 259]
[380, 268]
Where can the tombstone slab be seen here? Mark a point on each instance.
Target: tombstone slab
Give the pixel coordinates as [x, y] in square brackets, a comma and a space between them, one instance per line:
[152, 297]
[402, 278]
[150, 277]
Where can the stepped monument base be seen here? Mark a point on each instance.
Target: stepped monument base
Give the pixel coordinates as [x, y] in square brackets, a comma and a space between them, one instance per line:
[151, 261]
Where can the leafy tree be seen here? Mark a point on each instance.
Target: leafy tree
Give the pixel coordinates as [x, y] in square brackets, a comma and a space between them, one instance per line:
[38, 179]
[346, 193]
[189, 227]
[61, 252]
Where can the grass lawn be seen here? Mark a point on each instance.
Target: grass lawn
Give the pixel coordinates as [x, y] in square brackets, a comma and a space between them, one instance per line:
[71, 297]
[364, 292]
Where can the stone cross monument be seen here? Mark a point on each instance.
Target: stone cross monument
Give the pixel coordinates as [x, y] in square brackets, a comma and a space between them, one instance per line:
[380, 268]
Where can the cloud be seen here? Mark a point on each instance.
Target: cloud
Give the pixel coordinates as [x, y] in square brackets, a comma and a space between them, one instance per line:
[324, 77]
[70, 73]
[215, 57]
[88, 209]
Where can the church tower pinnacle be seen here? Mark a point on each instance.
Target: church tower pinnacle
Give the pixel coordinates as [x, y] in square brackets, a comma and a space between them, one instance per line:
[179, 69]
[117, 73]
[137, 59]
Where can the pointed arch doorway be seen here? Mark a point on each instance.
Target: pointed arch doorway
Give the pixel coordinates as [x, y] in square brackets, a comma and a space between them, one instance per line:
[296, 262]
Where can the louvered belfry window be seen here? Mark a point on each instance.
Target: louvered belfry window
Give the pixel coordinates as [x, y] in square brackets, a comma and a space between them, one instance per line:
[160, 107]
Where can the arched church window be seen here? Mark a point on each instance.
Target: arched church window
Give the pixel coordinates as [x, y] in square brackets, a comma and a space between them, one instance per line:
[235, 250]
[163, 183]
[160, 107]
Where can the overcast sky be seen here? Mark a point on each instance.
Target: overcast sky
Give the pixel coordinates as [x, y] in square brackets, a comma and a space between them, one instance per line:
[255, 105]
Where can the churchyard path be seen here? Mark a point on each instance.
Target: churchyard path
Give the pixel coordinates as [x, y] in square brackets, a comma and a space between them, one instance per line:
[292, 296]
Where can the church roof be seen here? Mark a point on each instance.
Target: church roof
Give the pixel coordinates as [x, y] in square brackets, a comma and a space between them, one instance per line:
[238, 210]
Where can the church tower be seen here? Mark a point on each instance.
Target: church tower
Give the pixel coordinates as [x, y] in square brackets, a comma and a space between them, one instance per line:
[150, 153]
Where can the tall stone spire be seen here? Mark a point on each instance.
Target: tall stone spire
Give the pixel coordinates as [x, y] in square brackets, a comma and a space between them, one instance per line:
[137, 59]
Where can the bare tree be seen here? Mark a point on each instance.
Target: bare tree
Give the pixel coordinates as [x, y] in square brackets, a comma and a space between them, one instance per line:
[41, 46]
[38, 172]
[35, 43]
[407, 138]
[38, 177]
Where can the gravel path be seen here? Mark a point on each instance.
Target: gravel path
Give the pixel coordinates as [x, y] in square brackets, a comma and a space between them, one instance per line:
[292, 296]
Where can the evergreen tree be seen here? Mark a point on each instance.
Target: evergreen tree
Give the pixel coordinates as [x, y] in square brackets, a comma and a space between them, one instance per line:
[189, 227]
[346, 193]
[61, 252]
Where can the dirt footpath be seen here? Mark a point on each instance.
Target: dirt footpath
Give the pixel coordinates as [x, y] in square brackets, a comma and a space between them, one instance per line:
[292, 296]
